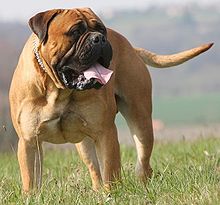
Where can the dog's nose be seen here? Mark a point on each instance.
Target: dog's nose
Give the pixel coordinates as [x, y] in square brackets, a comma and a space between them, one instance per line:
[98, 38]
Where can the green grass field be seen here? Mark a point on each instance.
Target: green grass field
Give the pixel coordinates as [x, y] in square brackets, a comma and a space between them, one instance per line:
[197, 109]
[184, 173]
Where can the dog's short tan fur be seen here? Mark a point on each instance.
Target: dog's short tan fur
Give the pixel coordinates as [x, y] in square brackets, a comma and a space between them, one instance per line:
[43, 110]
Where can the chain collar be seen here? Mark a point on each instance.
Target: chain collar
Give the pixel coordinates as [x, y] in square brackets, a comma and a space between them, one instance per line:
[37, 55]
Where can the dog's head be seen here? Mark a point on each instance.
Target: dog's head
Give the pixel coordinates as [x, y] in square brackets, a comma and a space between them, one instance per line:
[73, 42]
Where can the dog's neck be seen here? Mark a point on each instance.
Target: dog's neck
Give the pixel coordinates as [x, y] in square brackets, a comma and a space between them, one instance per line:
[43, 64]
[37, 54]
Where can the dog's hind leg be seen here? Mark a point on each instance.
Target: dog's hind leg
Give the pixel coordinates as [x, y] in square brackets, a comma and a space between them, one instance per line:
[143, 137]
[135, 104]
[86, 150]
[140, 124]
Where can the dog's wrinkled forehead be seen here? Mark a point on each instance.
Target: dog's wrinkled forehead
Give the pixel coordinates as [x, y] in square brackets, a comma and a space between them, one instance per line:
[58, 21]
[71, 17]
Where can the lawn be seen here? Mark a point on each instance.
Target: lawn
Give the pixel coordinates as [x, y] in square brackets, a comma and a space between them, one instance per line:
[184, 173]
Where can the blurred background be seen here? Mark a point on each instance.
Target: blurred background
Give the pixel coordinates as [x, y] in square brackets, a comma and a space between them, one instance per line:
[186, 98]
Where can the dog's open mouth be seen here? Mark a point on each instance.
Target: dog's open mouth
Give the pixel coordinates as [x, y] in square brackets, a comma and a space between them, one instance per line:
[94, 77]
[86, 66]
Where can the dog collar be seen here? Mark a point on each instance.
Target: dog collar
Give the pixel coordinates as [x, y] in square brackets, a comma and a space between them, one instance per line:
[37, 56]
[42, 63]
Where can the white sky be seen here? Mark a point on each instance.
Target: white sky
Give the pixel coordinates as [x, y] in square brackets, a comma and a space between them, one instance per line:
[22, 10]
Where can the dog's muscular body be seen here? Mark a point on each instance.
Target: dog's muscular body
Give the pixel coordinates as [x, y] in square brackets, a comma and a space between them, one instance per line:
[45, 108]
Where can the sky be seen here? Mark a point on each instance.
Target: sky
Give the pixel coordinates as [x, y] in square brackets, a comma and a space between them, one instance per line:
[22, 10]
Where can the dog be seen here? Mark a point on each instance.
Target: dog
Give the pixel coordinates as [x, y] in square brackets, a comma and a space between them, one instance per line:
[72, 78]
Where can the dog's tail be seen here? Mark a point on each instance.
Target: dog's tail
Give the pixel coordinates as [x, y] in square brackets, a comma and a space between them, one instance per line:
[164, 61]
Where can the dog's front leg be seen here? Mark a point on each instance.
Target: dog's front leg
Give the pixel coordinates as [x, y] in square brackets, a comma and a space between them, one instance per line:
[86, 150]
[30, 162]
[108, 151]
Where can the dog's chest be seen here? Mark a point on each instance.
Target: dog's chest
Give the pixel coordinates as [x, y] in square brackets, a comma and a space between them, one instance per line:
[70, 121]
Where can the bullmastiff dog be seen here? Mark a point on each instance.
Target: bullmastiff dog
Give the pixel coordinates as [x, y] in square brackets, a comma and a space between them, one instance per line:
[72, 78]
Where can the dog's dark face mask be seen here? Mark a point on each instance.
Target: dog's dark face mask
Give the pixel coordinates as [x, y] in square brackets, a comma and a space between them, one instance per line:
[91, 48]
[79, 51]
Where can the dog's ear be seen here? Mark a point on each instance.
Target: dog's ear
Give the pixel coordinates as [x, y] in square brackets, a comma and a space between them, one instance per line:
[40, 22]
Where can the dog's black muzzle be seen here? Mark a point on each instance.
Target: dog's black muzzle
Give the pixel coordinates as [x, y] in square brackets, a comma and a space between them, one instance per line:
[95, 49]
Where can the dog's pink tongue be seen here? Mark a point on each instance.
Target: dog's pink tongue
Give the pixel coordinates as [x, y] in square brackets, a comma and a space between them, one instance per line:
[100, 73]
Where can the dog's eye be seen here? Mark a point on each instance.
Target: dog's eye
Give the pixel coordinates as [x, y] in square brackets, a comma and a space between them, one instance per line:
[75, 33]
[102, 30]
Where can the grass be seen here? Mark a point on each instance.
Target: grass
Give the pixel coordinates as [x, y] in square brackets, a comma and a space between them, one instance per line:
[184, 173]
